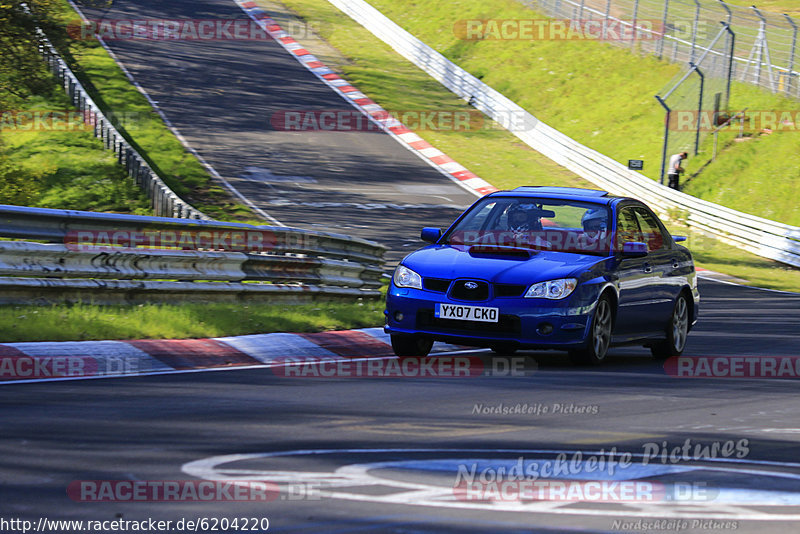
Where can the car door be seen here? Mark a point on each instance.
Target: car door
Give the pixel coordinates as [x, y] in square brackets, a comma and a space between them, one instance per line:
[636, 277]
[666, 281]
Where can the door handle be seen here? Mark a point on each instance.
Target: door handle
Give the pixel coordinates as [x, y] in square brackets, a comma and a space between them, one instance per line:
[647, 268]
[675, 264]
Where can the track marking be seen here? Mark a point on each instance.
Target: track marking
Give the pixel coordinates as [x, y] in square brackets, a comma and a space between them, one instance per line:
[357, 476]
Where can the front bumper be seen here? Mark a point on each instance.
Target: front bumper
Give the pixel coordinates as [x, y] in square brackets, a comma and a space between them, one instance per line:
[526, 323]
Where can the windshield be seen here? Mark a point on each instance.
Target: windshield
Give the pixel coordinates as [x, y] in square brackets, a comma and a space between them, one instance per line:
[541, 224]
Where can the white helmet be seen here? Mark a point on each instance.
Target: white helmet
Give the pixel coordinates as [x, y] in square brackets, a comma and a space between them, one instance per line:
[594, 220]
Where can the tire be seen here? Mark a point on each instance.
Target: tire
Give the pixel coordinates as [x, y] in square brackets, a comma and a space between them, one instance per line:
[408, 345]
[599, 335]
[677, 330]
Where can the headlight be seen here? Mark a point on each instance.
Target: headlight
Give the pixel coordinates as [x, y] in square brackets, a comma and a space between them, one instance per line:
[552, 289]
[405, 277]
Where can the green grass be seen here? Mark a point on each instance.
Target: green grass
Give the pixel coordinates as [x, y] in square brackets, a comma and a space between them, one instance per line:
[150, 321]
[789, 7]
[63, 169]
[713, 255]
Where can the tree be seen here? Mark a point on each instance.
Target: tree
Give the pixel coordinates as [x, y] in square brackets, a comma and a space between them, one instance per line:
[22, 72]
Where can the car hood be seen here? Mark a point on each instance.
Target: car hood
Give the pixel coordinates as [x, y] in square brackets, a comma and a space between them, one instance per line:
[450, 262]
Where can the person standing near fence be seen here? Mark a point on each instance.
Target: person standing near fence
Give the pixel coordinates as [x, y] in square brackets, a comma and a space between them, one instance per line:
[675, 169]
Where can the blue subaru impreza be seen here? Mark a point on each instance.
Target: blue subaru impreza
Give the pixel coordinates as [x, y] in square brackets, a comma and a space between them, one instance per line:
[546, 268]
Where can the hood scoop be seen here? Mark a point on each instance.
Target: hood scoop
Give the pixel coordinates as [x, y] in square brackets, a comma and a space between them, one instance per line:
[499, 251]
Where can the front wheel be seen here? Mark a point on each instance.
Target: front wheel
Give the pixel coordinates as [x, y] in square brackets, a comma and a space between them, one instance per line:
[677, 331]
[409, 345]
[599, 335]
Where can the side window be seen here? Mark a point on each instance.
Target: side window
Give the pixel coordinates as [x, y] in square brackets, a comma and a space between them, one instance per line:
[627, 227]
[652, 232]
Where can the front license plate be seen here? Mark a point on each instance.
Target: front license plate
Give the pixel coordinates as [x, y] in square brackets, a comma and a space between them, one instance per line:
[467, 313]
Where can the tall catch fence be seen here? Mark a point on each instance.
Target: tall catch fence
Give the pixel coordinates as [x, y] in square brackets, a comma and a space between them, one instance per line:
[765, 53]
[696, 100]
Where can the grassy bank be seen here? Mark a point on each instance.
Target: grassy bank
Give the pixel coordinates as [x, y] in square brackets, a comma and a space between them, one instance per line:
[789, 7]
[150, 321]
[62, 169]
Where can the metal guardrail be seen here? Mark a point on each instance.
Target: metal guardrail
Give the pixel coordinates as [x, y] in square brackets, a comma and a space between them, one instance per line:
[163, 200]
[761, 236]
[110, 258]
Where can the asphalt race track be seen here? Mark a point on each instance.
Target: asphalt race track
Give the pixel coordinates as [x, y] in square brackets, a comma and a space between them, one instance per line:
[222, 96]
[382, 454]
[338, 454]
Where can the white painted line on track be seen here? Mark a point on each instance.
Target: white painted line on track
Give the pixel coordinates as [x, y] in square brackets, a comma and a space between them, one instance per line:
[438, 496]
[727, 282]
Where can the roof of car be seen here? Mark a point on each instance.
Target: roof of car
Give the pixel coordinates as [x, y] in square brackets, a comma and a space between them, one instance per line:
[575, 193]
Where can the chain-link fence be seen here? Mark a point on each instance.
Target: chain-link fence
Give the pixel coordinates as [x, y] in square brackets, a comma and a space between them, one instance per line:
[695, 101]
[718, 44]
[766, 43]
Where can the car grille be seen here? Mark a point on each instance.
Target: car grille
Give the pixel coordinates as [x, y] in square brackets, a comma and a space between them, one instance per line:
[440, 285]
[508, 290]
[435, 284]
[460, 292]
[506, 324]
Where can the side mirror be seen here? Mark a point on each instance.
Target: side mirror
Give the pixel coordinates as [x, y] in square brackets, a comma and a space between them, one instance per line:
[431, 235]
[634, 249]
[679, 238]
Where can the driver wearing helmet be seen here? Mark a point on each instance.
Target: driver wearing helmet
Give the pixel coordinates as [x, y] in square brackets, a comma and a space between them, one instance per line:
[518, 221]
[521, 222]
[595, 226]
[595, 220]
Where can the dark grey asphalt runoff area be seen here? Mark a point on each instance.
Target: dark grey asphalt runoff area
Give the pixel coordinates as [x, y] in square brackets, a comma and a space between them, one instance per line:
[148, 428]
[222, 96]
